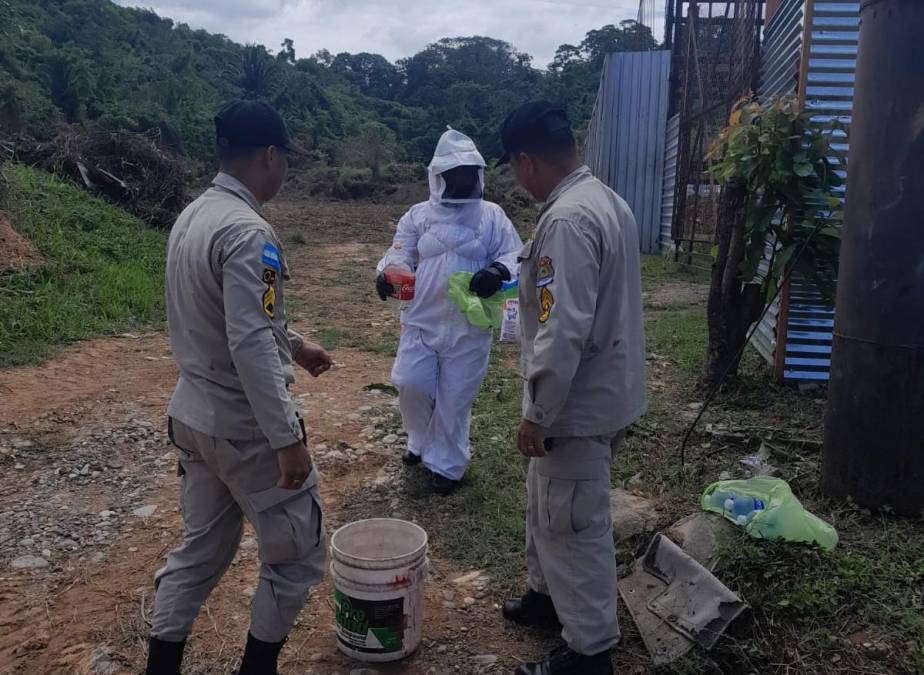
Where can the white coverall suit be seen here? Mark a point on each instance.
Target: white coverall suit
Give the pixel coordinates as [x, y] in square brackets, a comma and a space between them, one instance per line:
[442, 359]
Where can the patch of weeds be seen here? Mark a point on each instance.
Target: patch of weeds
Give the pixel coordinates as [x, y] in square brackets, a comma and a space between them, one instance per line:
[486, 527]
[681, 335]
[812, 601]
[330, 338]
[297, 239]
[657, 269]
[381, 386]
[103, 270]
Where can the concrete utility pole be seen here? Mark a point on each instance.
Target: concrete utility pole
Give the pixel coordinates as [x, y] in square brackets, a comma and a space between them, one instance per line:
[874, 430]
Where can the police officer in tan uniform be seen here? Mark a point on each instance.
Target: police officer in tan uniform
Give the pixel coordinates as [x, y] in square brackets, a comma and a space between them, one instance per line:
[583, 363]
[241, 443]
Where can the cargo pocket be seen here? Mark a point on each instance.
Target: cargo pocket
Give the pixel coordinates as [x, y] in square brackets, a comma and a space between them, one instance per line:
[590, 507]
[288, 522]
[556, 495]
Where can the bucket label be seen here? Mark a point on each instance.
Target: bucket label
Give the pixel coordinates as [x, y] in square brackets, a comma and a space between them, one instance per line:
[370, 626]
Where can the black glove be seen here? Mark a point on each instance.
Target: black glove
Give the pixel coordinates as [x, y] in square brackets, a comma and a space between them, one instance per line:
[383, 288]
[488, 281]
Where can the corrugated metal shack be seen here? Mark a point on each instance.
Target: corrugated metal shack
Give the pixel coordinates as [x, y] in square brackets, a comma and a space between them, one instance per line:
[626, 136]
[810, 50]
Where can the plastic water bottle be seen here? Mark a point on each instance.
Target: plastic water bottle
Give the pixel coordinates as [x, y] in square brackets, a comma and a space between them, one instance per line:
[744, 508]
[741, 508]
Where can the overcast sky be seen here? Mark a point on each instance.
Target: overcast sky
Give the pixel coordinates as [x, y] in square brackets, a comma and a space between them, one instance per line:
[397, 28]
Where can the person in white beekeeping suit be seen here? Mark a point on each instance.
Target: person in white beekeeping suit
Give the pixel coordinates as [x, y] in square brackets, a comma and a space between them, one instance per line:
[442, 358]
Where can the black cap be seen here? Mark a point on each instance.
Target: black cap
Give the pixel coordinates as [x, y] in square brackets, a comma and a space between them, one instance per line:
[532, 126]
[252, 124]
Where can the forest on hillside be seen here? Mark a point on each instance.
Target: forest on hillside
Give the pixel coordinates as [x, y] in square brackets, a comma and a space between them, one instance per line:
[99, 67]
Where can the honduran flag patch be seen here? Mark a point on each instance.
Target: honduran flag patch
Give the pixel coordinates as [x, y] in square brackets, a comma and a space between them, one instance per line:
[271, 257]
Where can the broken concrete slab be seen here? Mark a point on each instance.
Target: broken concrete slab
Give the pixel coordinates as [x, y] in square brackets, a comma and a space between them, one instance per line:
[701, 536]
[632, 514]
[676, 602]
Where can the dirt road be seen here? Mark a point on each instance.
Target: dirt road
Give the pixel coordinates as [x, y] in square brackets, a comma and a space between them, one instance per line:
[88, 488]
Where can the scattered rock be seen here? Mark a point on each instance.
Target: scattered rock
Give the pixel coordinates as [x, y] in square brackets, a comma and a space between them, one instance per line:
[467, 578]
[21, 444]
[28, 562]
[248, 543]
[390, 439]
[632, 515]
[485, 659]
[19, 467]
[102, 663]
[249, 591]
[442, 649]
[701, 535]
[145, 511]
[28, 541]
[469, 601]
[97, 557]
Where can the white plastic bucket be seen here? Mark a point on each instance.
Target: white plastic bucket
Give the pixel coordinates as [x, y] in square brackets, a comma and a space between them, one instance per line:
[379, 567]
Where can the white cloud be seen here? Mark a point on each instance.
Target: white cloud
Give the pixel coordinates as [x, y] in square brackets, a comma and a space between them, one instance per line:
[397, 28]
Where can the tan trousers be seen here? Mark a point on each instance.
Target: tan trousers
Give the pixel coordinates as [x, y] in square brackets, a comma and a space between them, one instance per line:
[570, 553]
[222, 483]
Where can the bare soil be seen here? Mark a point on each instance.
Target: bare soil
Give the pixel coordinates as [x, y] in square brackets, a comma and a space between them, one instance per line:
[16, 251]
[82, 446]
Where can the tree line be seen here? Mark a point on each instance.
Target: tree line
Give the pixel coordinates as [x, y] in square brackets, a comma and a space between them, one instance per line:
[104, 68]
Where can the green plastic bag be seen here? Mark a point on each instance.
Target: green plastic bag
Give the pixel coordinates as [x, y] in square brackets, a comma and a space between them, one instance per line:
[480, 312]
[783, 516]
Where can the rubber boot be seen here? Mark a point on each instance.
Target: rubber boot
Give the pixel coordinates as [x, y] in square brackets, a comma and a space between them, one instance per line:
[260, 657]
[564, 661]
[164, 658]
[533, 609]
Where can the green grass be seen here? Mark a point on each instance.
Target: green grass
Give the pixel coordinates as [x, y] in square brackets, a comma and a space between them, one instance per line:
[103, 269]
[682, 335]
[488, 527]
[657, 269]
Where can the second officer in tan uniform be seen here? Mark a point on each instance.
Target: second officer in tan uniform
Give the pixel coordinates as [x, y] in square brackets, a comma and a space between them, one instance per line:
[583, 362]
[241, 443]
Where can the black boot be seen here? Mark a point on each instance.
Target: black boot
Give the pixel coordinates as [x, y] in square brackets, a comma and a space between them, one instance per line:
[410, 459]
[260, 657]
[442, 485]
[533, 609]
[564, 661]
[164, 658]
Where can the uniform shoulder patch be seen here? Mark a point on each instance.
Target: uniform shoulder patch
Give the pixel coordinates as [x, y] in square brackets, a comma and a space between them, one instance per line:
[545, 272]
[271, 257]
[269, 302]
[269, 277]
[546, 301]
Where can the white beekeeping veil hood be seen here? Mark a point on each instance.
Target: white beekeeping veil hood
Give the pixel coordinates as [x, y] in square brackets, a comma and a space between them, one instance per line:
[454, 149]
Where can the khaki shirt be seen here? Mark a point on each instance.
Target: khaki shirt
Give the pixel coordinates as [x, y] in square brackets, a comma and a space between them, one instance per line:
[583, 342]
[227, 320]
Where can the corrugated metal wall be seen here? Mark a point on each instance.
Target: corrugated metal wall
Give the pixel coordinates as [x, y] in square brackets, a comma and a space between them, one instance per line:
[832, 64]
[779, 76]
[671, 146]
[625, 140]
[828, 93]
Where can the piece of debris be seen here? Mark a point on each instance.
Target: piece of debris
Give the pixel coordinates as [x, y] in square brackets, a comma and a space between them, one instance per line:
[485, 659]
[676, 602]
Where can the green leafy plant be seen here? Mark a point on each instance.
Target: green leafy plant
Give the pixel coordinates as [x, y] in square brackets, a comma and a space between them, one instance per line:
[779, 176]
[790, 172]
